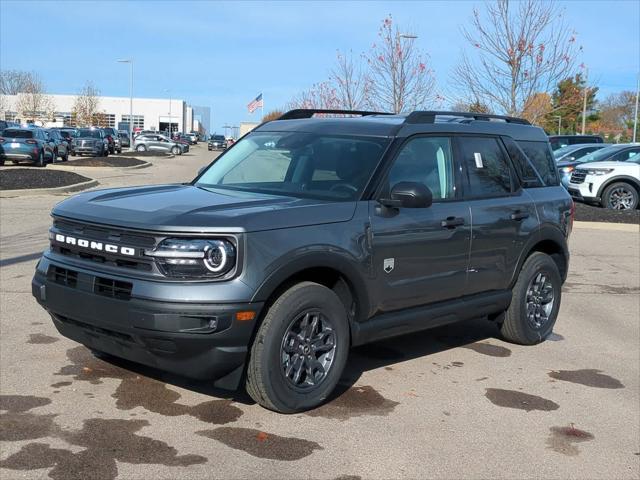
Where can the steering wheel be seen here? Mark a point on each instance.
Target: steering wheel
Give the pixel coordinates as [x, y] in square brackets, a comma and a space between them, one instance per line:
[344, 186]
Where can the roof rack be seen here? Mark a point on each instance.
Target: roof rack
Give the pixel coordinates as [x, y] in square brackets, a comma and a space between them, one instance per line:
[310, 112]
[430, 117]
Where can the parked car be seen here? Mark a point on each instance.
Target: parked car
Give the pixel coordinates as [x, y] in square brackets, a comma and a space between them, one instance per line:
[60, 144]
[568, 157]
[612, 184]
[559, 141]
[185, 143]
[115, 145]
[68, 134]
[310, 236]
[31, 144]
[217, 142]
[124, 139]
[160, 143]
[192, 137]
[91, 141]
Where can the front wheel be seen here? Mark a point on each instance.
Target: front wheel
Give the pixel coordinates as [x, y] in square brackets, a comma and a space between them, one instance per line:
[300, 349]
[175, 150]
[141, 148]
[620, 196]
[535, 302]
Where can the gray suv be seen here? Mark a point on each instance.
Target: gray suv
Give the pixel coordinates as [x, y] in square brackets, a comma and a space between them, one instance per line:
[310, 236]
[155, 142]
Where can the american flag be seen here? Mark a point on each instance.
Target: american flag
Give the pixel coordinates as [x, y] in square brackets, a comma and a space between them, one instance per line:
[255, 104]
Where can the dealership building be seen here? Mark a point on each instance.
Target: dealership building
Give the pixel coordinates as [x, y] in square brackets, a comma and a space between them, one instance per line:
[148, 113]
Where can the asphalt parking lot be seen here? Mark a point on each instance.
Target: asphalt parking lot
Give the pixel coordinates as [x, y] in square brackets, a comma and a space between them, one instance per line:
[455, 402]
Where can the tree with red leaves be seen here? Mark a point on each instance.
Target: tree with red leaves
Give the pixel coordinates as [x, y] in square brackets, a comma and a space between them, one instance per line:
[400, 78]
[521, 49]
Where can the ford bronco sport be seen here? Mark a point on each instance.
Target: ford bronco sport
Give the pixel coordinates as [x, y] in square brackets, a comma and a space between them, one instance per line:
[310, 235]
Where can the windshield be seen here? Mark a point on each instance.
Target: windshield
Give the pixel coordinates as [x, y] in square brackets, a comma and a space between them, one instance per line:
[297, 164]
[600, 155]
[217, 138]
[561, 152]
[18, 133]
[88, 133]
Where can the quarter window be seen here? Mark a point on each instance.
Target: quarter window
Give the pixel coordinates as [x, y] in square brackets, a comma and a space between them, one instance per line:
[427, 160]
[488, 171]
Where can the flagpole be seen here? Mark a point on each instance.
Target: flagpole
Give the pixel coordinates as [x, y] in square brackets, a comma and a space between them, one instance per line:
[262, 108]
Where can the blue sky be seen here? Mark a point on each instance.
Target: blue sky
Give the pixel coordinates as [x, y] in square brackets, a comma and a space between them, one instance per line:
[222, 54]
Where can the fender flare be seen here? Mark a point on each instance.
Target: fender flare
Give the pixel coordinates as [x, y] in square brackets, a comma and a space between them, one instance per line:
[342, 262]
[622, 178]
[547, 232]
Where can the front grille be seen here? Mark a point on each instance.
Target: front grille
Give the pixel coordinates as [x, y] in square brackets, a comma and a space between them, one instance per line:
[105, 235]
[112, 288]
[63, 276]
[578, 176]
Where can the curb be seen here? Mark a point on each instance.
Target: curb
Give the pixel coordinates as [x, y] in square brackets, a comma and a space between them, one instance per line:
[76, 187]
[618, 227]
[71, 167]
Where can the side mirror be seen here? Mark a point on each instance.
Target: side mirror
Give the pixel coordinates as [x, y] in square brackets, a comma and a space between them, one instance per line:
[409, 195]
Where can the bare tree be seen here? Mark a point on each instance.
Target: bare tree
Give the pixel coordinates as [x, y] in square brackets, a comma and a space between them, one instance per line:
[12, 82]
[321, 95]
[272, 115]
[32, 101]
[399, 74]
[521, 49]
[352, 85]
[85, 106]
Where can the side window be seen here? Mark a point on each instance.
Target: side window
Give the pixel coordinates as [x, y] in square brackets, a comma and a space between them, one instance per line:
[542, 159]
[625, 155]
[427, 160]
[488, 170]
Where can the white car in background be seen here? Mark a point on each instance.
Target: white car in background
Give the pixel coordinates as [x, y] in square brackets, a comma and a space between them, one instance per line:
[614, 185]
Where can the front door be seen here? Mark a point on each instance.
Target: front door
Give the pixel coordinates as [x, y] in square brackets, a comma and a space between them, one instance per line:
[420, 255]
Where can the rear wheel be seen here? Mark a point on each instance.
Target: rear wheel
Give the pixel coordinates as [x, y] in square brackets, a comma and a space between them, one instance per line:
[40, 160]
[300, 349]
[141, 148]
[535, 302]
[620, 196]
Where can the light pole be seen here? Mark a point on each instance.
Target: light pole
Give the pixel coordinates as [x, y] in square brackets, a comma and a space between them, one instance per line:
[635, 115]
[584, 100]
[170, 129]
[559, 117]
[130, 62]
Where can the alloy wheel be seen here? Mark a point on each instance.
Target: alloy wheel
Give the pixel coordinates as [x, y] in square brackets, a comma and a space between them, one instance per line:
[621, 198]
[308, 350]
[540, 300]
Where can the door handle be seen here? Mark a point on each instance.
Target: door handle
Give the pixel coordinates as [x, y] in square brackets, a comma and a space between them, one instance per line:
[518, 215]
[452, 222]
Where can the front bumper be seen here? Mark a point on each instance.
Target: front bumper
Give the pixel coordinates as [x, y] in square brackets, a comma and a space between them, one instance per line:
[93, 149]
[173, 336]
[584, 192]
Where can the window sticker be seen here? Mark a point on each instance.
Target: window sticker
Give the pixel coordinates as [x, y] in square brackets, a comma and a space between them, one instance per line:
[478, 159]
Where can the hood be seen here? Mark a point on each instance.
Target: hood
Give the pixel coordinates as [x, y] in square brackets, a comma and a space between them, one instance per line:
[186, 208]
[604, 165]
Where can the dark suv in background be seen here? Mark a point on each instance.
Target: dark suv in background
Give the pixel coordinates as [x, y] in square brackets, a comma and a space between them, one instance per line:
[559, 141]
[310, 236]
[91, 141]
[217, 142]
[115, 144]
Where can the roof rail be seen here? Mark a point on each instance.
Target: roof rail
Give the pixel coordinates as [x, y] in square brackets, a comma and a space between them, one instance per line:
[310, 112]
[430, 117]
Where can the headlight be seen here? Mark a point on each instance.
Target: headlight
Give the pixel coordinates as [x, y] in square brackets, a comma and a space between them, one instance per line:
[598, 171]
[194, 258]
[567, 169]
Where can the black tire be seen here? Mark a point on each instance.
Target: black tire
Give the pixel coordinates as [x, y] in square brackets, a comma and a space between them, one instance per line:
[40, 160]
[1, 163]
[519, 323]
[266, 382]
[620, 196]
[66, 156]
[141, 148]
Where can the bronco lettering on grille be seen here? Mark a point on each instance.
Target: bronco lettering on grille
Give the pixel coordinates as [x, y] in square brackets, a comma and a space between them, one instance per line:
[92, 245]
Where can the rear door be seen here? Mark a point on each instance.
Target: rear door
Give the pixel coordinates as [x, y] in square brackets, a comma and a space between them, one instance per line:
[503, 215]
[420, 255]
